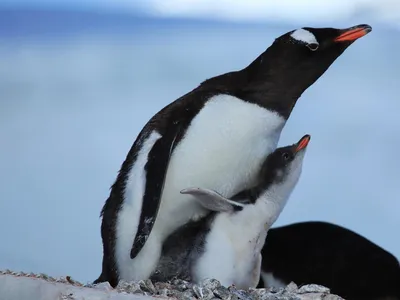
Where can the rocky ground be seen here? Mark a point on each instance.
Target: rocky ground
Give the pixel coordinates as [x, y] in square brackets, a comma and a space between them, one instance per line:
[21, 286]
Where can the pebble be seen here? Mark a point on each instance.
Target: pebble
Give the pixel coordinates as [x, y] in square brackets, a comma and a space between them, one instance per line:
[222, 293]
[211, 284]
[103, 286]
[313, 288]
[332, 297]
[182, 285]
[147, 286]
[163, 286]
[128, 287]
[187, 295]
[292, 287]
[198, 291]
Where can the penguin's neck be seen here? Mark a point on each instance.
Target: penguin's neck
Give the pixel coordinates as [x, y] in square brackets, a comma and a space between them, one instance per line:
[266, 208]
[271, 202]
[275, 84]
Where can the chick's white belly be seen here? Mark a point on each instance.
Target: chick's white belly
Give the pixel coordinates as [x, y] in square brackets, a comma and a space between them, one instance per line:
[247, 263]
[218, 259]
[229, 260]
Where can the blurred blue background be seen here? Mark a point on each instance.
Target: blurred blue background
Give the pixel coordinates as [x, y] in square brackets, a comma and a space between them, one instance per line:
[79, 79]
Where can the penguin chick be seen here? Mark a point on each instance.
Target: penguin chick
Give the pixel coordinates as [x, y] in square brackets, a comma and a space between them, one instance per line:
[226, 245]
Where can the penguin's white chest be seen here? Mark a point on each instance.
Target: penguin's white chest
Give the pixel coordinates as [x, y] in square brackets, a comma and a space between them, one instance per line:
[223, 150]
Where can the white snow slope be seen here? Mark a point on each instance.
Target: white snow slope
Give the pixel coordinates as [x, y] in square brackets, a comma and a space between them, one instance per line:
[27, 288]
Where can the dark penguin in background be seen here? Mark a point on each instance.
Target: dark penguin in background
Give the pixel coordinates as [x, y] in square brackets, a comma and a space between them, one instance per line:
[323, 253]
[214, 137]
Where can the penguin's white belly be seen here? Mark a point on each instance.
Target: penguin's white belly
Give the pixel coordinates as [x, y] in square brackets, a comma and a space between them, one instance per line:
[231, 255]
[223, 149]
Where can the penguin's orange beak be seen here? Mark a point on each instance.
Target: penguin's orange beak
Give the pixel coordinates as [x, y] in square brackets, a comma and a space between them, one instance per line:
[302, 144]
[353, 33]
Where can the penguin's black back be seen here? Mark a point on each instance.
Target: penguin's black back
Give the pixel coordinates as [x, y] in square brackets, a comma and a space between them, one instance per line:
[323, 253]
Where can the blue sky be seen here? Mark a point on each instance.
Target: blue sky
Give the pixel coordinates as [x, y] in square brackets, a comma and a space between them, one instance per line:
[72, 106]
[387, 11]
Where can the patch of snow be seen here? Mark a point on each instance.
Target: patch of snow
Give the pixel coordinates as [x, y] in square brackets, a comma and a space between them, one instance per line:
[28, 288]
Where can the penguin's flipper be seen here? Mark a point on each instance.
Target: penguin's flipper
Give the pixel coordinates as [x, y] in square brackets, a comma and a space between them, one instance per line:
[156, 169]
[212, 200]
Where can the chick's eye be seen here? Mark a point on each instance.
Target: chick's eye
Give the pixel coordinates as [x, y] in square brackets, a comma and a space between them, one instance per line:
[313, 46]
[285, 155]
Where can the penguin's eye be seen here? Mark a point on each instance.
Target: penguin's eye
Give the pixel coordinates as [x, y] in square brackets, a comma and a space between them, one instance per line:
[313, 46]
[285, 155]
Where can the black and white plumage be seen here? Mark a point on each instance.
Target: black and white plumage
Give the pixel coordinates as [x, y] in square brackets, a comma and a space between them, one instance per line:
[215, 137]
[324, 253]
[226, 245]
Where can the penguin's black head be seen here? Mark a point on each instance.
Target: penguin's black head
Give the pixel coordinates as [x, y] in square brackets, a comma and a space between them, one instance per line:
[284, 165]
[319, 40]
[303, 55]
[294, 62]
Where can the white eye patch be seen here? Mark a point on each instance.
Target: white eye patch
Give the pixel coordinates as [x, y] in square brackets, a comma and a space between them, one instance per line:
[306, 37]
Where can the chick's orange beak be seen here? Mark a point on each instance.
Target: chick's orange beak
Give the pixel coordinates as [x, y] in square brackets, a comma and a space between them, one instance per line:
[353, 33]
[302, 144]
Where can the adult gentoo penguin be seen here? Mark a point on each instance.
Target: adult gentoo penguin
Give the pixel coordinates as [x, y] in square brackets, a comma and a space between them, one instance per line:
[226, 245]
[214, 137]
[323, 253]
